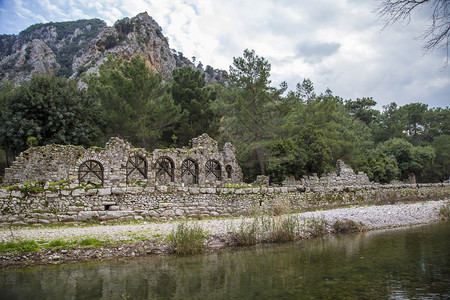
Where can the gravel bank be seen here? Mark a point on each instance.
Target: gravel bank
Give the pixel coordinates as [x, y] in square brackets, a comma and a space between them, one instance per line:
[373, 217]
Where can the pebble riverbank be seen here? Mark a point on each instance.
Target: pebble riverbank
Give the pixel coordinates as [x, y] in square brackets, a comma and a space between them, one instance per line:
[148, 238]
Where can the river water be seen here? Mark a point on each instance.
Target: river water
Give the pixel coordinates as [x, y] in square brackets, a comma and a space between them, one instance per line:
[406, 263]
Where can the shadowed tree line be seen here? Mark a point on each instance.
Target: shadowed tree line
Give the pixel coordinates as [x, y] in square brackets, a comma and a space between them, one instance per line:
[276, 132]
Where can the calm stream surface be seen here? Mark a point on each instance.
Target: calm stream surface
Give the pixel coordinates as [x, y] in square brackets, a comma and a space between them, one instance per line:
[407, 263]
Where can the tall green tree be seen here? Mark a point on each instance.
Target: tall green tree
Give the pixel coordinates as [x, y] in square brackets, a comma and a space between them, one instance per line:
[326, 132]
[189, 90]
[410, 159]
[390, 124]
[137, 104]
[51, 110]
[362, 109]
[250, 106]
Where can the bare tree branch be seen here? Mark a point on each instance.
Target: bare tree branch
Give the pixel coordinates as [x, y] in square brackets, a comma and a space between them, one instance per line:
[437, 35]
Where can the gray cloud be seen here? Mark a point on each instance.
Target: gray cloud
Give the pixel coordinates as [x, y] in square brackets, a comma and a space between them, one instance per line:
[316, 51]
[337, 44]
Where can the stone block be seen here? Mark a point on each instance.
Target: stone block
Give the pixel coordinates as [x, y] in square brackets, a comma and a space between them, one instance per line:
[4, 193]
[49, 194]
[168, 213]
[118, 191]
[91, 192]
[112, 215]
[78, 192]
[65, 192]
[17, 194]
[194, 191]
[66, 218]
[161, 188]
[149, 190]
[87, 215]
[104, 192]
[75, 208]
[207, 190]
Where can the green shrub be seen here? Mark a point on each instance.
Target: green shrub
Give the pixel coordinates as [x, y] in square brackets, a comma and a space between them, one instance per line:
[19, 247]
[188, 239]
[92, 242]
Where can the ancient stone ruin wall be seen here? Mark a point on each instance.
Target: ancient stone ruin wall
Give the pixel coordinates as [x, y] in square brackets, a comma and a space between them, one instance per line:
[34, 204]
[120, 164]
[52, 184]
[344, 176]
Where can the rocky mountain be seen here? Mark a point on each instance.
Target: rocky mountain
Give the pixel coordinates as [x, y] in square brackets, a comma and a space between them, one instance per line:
[71, 49]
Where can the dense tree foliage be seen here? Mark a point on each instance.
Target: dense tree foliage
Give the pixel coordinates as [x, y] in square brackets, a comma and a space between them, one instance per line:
[249, 107]
[50, 109]
[189, 90]
[275, 132]
[136, 103]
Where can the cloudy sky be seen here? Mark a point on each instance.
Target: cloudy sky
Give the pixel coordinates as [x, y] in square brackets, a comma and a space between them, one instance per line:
[337, 44]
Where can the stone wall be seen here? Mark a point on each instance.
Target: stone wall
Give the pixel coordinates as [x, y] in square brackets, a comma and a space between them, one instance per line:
[120, 164]
[34, 204]
[54, 183]
[344, 176]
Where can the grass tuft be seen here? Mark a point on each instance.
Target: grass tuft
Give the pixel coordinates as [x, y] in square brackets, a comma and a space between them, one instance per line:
[20, 246]
[317, 227]
[348, 226]
[188, 240]
[94, 242]
[444, 212]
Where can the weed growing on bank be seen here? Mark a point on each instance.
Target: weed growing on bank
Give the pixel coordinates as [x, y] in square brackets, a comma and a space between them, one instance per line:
[188, 239]
[54, 245]
[444, 212]
[348, 226]
[19, 246]
[278, 229]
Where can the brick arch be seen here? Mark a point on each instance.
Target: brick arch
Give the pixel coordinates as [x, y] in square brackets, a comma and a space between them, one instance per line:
[137, 168]
[213, 170]
[165, 169]
[91, 171]
[189, 171]
[229, 170]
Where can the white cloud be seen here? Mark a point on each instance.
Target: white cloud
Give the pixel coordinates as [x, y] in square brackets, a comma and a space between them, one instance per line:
[335, 43]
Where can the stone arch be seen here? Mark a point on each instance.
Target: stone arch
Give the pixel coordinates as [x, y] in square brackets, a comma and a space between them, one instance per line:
[165, 170]
[91, 171]
[229, 170]
[137, 168]
[189, 171]
[213, 170]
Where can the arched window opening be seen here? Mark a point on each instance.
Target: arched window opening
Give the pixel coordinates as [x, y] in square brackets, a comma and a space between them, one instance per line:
[91, 171]
[137, 169]
[165, 170]
[189, 172]
[229, 171]
[213, 170]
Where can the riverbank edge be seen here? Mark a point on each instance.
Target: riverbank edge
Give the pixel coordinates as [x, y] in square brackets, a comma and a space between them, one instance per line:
[215, 242]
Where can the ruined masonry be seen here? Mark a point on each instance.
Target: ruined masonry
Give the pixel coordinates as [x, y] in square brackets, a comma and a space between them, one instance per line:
[121, 165]
[55, 184]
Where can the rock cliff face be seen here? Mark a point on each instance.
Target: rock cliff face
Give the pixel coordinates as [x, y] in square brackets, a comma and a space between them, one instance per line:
[72, 49]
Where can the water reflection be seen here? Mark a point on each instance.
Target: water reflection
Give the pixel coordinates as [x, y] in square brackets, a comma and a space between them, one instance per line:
[399, 264]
